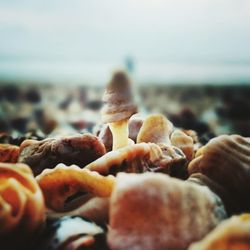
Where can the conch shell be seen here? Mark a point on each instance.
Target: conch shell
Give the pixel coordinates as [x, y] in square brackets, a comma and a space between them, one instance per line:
[9, 153]
[153, 211]
[226, 161]
[21, 206]
[77, 149]
[229, 235]
[62, 182]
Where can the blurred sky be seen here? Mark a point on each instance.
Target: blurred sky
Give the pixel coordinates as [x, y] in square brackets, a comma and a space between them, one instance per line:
[152, 32]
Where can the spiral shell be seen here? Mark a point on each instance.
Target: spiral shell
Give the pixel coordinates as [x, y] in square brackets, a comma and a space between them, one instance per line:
[118, 99]
[21, 206]
[9, 153]
[232, 234]
[78, 149]
[226, 161]
[154, 211]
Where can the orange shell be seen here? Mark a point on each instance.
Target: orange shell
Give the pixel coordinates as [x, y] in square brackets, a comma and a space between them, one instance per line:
[21, 205]
[60, 183]
[9, 153]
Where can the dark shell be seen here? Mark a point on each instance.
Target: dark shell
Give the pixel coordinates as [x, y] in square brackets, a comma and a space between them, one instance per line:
[79, 150]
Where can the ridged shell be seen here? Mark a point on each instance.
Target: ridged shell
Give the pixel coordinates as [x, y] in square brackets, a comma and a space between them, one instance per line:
[21, 206]
[231, 234]
[153, 211]
[226, 161]
[62, 182]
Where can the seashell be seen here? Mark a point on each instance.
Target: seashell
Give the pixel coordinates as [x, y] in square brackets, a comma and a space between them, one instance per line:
[118, 99]
[156, 129]
[233, 233]
[21, 206]
[166, 213]
[62, 182]
[73, 233]
[79, 149]
[9, 153]
[226, 161]
[139, 158]
[183, 142]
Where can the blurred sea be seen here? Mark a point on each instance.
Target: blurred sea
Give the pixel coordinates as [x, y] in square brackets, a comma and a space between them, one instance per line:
[98, 73]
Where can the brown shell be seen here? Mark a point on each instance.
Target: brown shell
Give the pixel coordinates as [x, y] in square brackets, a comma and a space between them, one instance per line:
[78, 149]
[226, 161]
[231, 234]
[62, 182]
[118, 99]
[9, 153]
[153, 211]
[22, 206]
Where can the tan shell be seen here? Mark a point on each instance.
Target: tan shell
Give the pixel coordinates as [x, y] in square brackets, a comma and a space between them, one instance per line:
[62, 182]
[140, 158]
[226, 161]
[156, 129]
[21, 206]
[183, 142]
[118, 99]
[153, 211]
[232, 234]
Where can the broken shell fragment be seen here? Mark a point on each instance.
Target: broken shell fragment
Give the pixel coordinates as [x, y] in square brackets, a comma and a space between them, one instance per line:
[153, 211]
[62, 182]
[226, 161]
[73, 233]
[156, 129]
[231, 234]
[183, 142]
[9, 153]
[139, 158]
[22, 209]
[78, 149]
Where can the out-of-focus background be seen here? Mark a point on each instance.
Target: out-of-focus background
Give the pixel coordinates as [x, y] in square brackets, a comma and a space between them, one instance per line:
[189, 60]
